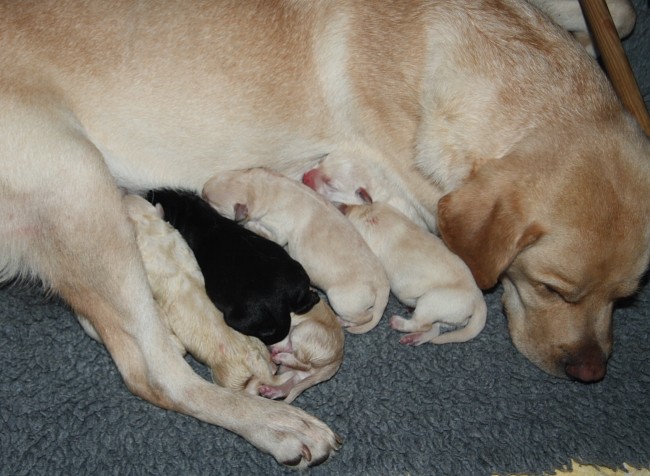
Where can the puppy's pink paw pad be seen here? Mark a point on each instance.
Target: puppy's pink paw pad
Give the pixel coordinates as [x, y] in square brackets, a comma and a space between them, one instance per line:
[268, 391]
[411, 339]
[281, 358]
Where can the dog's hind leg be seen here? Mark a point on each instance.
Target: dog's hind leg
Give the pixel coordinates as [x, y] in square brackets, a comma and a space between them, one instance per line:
[63, 220]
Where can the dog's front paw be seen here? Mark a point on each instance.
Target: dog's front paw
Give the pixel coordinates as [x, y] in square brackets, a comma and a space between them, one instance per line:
[242, 359]
[292, 436]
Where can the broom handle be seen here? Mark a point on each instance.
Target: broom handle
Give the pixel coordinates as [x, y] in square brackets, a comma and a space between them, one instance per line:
[614, 59]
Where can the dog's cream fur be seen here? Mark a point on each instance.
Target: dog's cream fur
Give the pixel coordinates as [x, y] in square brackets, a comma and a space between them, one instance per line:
[315, 234]
[310, 354]
[486, 101]
[423, 274]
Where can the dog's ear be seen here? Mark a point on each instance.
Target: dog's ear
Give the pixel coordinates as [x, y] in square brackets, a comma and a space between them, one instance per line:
[485, 224]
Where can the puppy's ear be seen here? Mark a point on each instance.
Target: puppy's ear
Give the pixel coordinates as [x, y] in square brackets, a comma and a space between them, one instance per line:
[363, 194]
[159, 210]
[241, 212]
[485, 224]
[306, 302]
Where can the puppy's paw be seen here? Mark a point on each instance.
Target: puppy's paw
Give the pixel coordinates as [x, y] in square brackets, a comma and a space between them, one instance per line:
[420, 337]
[416, 338]
[402, 324]
[281, 358]
[398, 323]
[271, 392]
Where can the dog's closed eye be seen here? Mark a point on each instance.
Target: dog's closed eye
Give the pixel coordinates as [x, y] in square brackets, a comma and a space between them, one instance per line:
[553, 291]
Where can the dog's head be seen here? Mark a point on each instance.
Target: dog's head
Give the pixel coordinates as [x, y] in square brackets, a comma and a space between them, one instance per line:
[568, 234]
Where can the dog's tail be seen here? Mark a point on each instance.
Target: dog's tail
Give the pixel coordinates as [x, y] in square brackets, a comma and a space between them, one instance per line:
[473, 328]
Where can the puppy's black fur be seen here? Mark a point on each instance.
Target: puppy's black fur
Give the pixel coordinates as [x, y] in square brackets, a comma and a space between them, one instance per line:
[252, 280]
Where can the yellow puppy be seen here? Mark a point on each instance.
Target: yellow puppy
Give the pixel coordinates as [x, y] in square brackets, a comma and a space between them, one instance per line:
[310, 354]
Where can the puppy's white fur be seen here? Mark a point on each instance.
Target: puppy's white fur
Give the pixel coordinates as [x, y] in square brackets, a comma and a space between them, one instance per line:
[315, 234]
[310, 354]
[423, 273]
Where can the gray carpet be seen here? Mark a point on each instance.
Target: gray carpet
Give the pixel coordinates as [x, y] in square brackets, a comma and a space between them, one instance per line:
[464, 409]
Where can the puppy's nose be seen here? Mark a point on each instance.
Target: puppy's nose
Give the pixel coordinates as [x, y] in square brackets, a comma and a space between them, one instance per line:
[587, 365]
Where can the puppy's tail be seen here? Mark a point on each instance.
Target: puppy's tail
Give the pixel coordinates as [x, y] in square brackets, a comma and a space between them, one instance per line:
[378, 309]
[473, 328]
[318, 376]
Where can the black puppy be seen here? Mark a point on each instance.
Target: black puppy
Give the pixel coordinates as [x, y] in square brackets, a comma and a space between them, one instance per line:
[252, 280]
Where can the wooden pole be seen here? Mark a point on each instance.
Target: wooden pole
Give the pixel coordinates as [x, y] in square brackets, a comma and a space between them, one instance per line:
[615, 60]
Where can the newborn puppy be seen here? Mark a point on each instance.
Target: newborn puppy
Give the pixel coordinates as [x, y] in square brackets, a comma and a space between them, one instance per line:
[334, 255]
[423, 273]
[337, 178]
[310, 354]
[252, 280]
[195, 324]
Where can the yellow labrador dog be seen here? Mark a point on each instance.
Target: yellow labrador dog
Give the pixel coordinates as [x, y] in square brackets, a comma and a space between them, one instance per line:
[545, 178]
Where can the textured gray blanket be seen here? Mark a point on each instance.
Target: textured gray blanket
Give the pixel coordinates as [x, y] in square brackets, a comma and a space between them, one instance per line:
[459, 409]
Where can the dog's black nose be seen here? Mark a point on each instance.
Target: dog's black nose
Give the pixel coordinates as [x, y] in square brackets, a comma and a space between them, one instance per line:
[587, 365]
